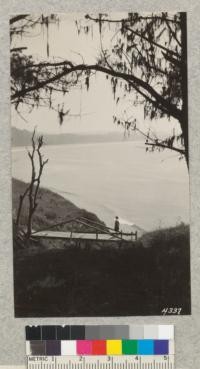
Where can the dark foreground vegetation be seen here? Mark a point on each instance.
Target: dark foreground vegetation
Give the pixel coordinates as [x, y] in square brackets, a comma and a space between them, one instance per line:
[90, 282]
[103, 280]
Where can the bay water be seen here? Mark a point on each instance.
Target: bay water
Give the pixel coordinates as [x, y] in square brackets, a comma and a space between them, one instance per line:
[145, 190]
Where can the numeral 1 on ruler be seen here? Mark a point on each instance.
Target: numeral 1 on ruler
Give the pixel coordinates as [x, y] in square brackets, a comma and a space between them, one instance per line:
[101, 362]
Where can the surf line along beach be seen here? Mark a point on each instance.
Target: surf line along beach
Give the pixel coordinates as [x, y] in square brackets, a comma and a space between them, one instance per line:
[75, 224]
[53, 277]
[81, 173]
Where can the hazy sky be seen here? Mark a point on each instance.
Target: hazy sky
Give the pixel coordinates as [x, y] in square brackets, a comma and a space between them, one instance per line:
[92, 110]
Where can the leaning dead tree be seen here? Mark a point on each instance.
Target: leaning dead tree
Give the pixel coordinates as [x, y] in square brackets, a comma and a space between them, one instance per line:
[31, 192]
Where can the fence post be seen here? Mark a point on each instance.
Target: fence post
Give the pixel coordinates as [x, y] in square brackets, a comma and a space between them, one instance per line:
[136, 236]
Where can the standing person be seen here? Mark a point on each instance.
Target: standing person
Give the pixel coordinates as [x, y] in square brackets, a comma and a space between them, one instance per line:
[116, 227]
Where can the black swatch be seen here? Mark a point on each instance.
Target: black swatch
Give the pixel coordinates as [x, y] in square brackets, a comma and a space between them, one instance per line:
[48, 332]
[77, 332]
[63, 333]
[33, 333]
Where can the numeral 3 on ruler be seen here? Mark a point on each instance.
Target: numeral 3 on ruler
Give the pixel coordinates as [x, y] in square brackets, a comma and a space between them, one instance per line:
[101, 362]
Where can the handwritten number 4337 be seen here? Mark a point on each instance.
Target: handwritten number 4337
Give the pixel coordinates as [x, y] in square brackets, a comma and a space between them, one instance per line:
[171, 311]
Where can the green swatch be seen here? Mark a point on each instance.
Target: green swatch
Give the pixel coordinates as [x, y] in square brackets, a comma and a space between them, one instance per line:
[129, 347]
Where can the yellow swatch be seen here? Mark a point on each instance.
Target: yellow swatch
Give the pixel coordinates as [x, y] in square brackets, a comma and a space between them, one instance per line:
[114, 347]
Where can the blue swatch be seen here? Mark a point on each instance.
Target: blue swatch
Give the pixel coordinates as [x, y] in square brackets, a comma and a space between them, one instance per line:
[145, 347]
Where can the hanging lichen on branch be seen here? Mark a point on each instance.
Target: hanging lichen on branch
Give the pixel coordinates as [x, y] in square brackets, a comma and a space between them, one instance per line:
[145, 62]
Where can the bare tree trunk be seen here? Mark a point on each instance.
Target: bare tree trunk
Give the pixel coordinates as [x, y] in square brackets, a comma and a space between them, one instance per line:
[184, 83]
[35, 180]
[21, 200]
[33, 188]
[19, 211]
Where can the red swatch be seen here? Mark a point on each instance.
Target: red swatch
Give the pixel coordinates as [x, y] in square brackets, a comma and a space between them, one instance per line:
[99, 347]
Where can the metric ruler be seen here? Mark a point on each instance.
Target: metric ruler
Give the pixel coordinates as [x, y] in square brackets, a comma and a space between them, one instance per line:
[101, 362]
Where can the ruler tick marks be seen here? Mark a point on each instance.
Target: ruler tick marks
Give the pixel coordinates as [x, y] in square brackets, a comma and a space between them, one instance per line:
[101, 362]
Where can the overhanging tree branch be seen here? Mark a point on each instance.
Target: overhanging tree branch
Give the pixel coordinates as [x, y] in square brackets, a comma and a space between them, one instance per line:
[150, 66]
[154, 142]
[48, 64]
[155, 69]
[168, 51]
[18, 18]
[175, 112]
[130, 20]
[165, 146]
[171, 59]
[172, 32]
[17, 49]
[147, 98]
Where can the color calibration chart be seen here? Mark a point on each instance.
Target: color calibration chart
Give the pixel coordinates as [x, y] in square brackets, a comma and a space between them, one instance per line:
[100, 347]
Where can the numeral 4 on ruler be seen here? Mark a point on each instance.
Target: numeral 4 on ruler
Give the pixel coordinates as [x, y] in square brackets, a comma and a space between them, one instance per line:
[101, 362]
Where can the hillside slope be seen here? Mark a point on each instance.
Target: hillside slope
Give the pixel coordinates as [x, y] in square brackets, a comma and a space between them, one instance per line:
[52, 209]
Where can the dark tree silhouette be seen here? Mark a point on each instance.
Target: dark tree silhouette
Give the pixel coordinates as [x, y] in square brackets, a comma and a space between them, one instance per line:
[149, 53]
[31, 192]
[147, 58]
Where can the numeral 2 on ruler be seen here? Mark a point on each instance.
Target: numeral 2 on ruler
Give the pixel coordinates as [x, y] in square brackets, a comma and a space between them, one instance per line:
[101, 362]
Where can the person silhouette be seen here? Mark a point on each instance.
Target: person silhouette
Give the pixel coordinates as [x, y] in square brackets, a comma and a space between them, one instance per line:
[116, 226]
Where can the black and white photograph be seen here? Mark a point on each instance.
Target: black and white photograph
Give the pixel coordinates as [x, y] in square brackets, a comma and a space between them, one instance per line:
[100, 164]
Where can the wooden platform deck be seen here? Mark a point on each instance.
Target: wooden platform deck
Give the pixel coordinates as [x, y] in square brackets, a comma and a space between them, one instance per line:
[118, 237]
[97, 232]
